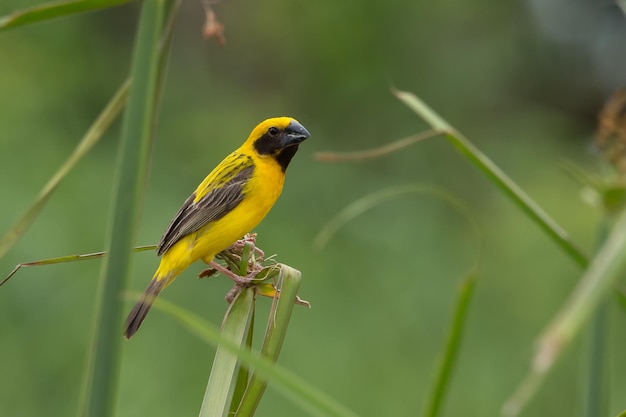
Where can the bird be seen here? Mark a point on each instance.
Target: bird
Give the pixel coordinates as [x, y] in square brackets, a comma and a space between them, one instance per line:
[228, 203]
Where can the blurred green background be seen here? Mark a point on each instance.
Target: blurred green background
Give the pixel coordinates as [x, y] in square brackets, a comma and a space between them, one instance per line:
[523, 80]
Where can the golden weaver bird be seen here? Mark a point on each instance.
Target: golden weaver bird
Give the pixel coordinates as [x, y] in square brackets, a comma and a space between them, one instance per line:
[230, 202]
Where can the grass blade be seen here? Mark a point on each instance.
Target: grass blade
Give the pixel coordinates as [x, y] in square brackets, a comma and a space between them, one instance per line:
[53, 10]
[244, 372]
[453, 342]
[280, 314]
[92, 136]
[597, 381]
[377, 152]
[309, 398]
[68, 258]
[363, 204]
[219, 390]
[99, 398]
[600, 277]
[495, 174]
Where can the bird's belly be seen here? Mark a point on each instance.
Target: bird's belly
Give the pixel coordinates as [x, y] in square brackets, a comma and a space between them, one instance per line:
[219, 235]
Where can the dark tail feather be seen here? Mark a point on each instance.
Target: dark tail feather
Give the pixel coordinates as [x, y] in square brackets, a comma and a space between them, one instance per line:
[141, 309]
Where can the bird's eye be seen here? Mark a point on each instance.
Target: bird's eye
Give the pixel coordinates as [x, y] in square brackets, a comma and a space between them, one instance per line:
[273, 131]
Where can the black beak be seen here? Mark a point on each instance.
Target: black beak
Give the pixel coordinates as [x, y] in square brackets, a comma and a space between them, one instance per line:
[295, 133]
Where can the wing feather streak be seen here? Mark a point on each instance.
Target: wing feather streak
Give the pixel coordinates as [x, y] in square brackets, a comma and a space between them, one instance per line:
[215, 204]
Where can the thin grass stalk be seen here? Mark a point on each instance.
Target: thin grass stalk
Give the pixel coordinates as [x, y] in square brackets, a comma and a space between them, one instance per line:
[597, 383]
[280, 314]
[223, 377]
[446, 363]
[102, 371]
[497, 176]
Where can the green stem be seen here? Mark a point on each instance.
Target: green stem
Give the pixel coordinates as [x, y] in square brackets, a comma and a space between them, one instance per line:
[101, 378]
[453, 342]
[495, 174]
[597, 382]
[222, 380]
[277, 324]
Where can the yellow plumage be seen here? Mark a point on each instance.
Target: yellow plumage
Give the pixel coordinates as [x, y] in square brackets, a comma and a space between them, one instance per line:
[230, 202]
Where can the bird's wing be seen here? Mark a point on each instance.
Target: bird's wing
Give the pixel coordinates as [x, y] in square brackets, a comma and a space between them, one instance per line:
[215, 204]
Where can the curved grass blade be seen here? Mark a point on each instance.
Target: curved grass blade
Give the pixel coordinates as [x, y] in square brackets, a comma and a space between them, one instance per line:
[53, 10]
[92, 136]
[102, 371]
[605, 269]
[223, 377]
[309, 398]
[280, 314]
[68, 258]
[496, 175]
[372, 200]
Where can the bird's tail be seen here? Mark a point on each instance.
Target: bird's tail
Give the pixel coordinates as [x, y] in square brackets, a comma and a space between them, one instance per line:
[141, 309]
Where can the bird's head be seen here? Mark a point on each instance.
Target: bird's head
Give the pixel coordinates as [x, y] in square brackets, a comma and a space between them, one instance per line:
[278, 138]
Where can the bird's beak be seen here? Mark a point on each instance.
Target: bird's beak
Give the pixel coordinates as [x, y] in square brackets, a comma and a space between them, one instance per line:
[294, 134]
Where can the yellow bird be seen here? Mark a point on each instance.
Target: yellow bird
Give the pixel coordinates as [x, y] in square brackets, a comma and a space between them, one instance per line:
[230, 202]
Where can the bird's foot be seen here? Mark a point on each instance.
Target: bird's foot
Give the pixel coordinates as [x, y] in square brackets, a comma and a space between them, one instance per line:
[239, 280]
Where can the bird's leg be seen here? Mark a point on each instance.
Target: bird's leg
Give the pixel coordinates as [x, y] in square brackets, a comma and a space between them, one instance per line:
[230, 274]
[259, 253]
[230, 296]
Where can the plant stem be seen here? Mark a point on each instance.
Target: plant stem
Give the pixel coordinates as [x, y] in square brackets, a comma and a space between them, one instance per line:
[496, 175]
[102, 371]
[596, 381]
[453, 341]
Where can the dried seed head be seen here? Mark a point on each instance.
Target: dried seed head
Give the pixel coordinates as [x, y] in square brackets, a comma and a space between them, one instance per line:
[611, 134]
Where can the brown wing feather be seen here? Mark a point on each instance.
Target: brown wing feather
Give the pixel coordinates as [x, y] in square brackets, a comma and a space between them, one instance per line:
[193, 216]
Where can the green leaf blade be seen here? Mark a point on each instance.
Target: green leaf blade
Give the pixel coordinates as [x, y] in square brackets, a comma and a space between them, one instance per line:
[102, 371]
[280, 314]
[222, 381]
[54, 10]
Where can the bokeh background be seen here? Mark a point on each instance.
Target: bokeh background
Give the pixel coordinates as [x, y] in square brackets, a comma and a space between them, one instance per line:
[523, 80]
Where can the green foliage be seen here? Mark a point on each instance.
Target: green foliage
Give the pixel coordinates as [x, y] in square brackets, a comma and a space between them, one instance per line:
[102, 372]
[382, 286]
